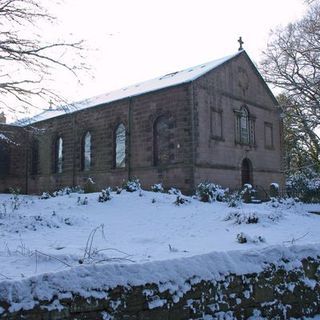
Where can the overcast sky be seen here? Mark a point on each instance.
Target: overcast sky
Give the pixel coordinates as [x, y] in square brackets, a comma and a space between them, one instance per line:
[136, 40]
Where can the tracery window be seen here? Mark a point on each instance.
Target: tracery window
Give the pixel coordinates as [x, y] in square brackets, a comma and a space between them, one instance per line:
[58, 155]
[120, 146]
[86, 152]
[161, 138]
[245, 127]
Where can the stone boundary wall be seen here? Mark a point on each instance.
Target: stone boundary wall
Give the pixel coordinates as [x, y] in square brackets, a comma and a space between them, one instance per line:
[275, 293]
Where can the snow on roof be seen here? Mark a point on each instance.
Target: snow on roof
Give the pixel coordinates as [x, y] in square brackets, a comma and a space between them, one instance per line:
[6, 139]
[168, 80]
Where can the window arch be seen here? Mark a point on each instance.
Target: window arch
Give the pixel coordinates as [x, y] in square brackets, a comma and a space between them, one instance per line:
[86, 152]
[4, 160]
[120, 146]
[58, 155]
[161, 140]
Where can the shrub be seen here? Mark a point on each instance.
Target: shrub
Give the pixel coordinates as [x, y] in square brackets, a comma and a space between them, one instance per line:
[157, 187]
[175, 191]
[247, 193]
[105, 195]
[242, 238]
[89, 186]
[274, 190]
[118, 190]
[132, 185]
[243, 217]
[207, 192]
[82, 202]
[45, 195]
[234, 199]
[304, 185]
[181, 200]
[15, 201]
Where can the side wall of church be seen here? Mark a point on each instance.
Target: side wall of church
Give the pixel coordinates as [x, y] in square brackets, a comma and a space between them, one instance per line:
[219, 155]
[138, 114]
[12, 158]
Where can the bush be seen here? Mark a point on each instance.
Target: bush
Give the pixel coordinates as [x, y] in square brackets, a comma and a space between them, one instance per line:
[243, 217]
[105, 195]
[274, 190]
[89, 186]
[82, 202]
[157, 187]
[175, 191]
[244, 238]
[304, 185]
[234, 199]
[45, 195]
[247, 193]
[61, 192]
[132, 185]
[207, 192]
[180, 200]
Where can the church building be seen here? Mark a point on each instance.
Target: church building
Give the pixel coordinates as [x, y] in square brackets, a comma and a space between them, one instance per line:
[216, 122]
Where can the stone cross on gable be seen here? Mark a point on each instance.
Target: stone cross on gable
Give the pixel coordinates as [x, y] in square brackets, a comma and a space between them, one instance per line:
[241, 43]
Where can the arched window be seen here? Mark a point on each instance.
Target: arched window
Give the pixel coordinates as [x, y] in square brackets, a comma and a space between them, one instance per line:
[58, 155]
[86, 152]
[246, 172]
[34, 157]
[161, 138]
[4, 160]
[120, 146]
[245, 127]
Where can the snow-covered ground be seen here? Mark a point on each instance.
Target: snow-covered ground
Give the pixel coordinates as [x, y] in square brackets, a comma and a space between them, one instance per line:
[49, 235]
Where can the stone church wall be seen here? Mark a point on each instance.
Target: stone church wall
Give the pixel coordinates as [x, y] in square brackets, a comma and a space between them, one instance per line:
[221, 93]
[14, 143]
[138, 114]
[201, 148]
[275, 293]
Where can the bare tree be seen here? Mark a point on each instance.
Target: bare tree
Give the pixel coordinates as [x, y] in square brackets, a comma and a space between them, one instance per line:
[27, 60]
[291, 62]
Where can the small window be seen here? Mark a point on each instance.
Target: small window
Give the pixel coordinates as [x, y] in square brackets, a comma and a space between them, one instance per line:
[216, 124]
[86, 152]
[58, 155]
[268, 135]
[120, 146]
[161, 139]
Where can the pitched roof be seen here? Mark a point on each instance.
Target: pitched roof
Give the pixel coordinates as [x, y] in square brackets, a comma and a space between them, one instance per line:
[165, 81]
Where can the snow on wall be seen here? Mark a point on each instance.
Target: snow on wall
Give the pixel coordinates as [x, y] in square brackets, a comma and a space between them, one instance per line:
[94, 280]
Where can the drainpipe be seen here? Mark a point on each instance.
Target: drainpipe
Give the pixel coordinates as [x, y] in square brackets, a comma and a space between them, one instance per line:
[27, 163]
[129, 137]
[73, 121]
[193, 151]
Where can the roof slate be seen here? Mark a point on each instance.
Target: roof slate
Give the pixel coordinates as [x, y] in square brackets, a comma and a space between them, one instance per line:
[168, 80]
